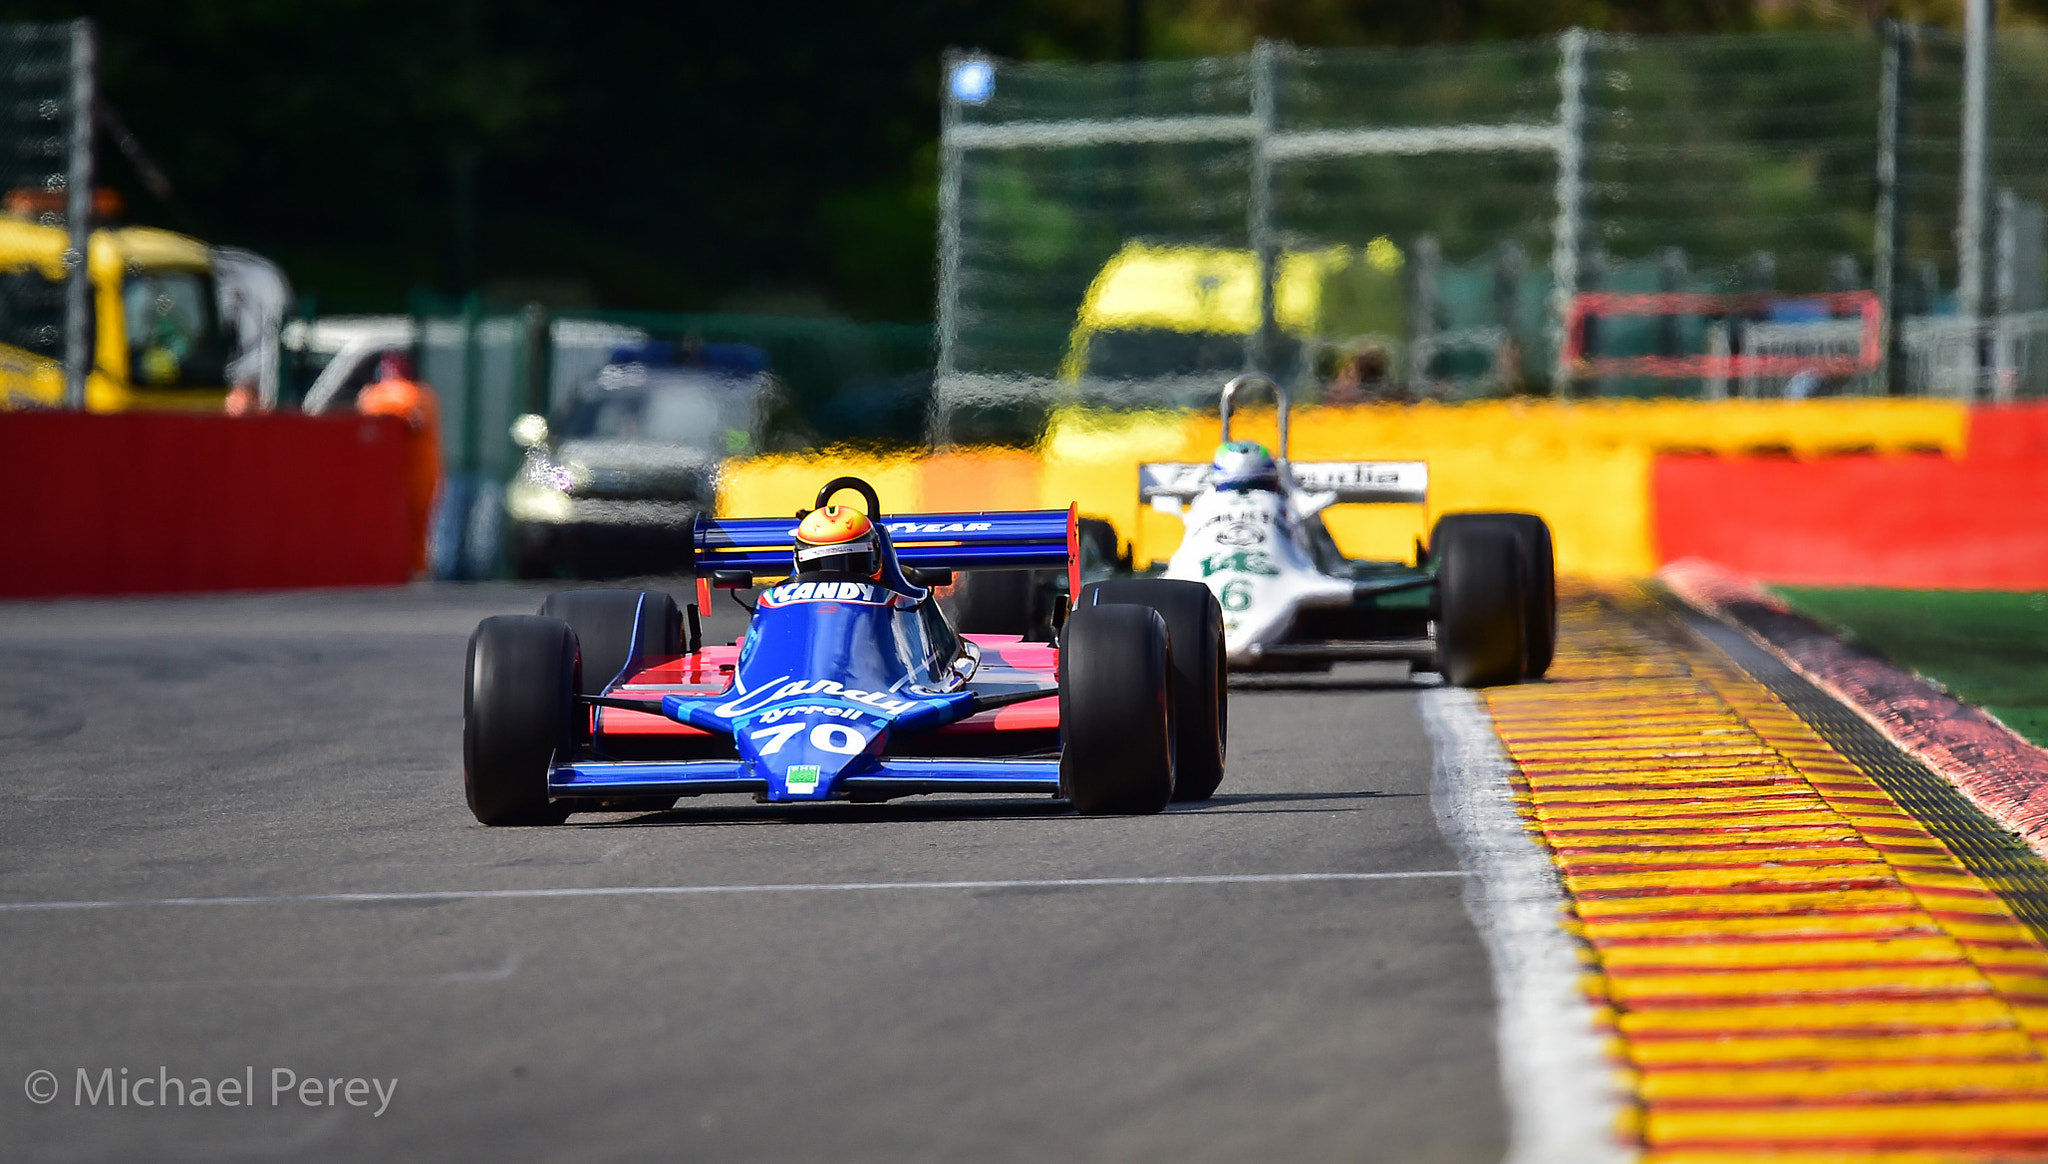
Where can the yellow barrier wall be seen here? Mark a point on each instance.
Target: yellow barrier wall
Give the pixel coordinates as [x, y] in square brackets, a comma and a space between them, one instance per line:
[784, 483]
[1584, 466]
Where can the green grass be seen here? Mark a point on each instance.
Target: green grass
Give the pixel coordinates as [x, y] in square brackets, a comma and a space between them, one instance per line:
[1988, 647]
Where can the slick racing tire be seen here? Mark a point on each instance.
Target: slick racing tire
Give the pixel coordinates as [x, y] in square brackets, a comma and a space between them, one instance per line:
[1482, 605]
[1201, 687]
[518, 707]
[1539, 561]
[1101, 552]
[1116, 711]
[605, 622]
[994, 602]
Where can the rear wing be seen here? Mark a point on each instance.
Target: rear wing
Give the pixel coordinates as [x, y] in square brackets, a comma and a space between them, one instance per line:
[1353, 482]
[1032, 539]
[1365, 482]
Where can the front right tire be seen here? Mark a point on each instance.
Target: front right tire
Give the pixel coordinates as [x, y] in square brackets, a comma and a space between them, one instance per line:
[518, 715]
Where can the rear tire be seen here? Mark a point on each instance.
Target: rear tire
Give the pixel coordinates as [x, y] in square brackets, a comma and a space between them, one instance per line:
[518, 712]
[1101, 550]
[532, 554]
[1194, 630]
[605, 623]
[994, 602]
[1481, 604]
[1116, 711]
[1539, 562]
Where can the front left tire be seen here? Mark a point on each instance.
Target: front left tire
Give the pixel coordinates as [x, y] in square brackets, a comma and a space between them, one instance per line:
[1116, 711]
[1539, 576]
[1482, 605]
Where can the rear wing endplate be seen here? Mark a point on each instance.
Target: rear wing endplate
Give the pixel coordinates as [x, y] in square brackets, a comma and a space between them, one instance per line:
[1352, 482]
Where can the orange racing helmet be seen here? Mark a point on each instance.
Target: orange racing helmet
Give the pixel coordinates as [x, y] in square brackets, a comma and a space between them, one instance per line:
[839, 539]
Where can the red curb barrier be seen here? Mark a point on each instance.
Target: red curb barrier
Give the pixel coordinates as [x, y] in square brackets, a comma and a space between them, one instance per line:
[133, 503]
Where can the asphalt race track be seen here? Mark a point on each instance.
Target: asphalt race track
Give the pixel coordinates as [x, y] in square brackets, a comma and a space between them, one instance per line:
[290, 747]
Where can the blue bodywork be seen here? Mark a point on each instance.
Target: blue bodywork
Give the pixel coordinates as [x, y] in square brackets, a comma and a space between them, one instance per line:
[835, 669]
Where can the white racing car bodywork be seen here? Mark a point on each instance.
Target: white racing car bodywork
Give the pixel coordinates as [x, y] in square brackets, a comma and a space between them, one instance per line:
[1253, 553]
[1287, 595]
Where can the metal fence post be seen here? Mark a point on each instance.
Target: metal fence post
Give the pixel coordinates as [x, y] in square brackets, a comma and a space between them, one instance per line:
[1424, 264]
[1999, 294]
[535, 364]
[1564, 234]
[472, 386]
[1672, 272]
[947, 338]
[78, 329]
[1970, 213]
[1261, 232]
[1886, 263]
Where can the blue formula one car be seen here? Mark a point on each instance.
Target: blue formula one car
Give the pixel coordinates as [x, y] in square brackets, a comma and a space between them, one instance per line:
[850, 682]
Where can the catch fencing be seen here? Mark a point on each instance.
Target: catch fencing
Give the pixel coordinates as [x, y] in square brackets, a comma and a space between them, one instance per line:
[47, 92]
[1119, 233]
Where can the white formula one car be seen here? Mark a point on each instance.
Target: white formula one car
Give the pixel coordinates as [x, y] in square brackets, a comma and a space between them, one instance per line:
[1478, 605]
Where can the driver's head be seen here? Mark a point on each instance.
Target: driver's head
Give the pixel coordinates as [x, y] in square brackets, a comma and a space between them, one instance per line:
[838, 539]
[1245, 465]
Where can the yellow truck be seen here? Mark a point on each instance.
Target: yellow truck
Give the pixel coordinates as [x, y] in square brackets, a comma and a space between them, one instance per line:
[159, 338]
[1158, 312]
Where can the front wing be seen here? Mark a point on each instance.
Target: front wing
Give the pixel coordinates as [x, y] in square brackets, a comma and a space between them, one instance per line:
[1322, 633]
[885, 779]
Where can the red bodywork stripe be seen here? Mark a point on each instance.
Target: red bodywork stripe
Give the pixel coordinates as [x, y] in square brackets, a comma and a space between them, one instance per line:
[1036, 715]
[699, 675]
[696, 674]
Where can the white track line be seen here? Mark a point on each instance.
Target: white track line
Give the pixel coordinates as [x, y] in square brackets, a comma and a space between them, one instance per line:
[714, 890]
[1562, 1092]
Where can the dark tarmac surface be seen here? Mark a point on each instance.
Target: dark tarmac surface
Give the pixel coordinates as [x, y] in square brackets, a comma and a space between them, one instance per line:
[310, 744]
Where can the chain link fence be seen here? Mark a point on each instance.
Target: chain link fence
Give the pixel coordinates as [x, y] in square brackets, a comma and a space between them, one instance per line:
[46, 115]
[1589, 215]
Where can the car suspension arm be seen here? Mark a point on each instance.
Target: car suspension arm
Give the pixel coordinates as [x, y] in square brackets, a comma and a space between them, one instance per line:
[650, 706]
[1376, 587]
[1006, 698]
